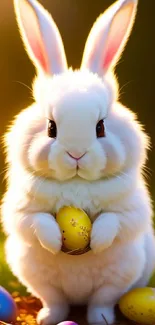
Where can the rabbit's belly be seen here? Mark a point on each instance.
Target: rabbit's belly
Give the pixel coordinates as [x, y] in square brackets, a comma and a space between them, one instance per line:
[77, 276]
[80, 277]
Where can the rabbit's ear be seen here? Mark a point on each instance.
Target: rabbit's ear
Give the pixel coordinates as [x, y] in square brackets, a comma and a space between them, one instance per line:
[108, 36]
[41, 36]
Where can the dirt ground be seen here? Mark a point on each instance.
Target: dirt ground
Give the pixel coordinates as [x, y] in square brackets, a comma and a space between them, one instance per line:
[28, 308]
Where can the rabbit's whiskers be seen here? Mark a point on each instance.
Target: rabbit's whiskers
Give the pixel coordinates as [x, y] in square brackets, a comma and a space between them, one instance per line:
[23, 84]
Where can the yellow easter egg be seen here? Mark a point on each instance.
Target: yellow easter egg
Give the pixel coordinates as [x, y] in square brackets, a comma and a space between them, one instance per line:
[75, 226]
[139, 305]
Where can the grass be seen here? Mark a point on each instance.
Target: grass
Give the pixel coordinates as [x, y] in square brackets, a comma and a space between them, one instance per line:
[8, 280]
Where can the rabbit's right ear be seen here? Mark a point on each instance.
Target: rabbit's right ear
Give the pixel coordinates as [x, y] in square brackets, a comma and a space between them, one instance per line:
[108, 37]
[41, 37]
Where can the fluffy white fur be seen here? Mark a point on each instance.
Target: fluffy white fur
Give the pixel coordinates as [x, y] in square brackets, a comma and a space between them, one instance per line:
[108, 183]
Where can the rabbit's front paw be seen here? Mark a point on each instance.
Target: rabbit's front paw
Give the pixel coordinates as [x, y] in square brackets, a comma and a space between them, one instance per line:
[48, 232]
[104, 231]
[52, 315]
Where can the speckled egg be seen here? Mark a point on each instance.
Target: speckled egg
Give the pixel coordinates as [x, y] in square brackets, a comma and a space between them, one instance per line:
[8, 308]
[139, 305]
[75, 226]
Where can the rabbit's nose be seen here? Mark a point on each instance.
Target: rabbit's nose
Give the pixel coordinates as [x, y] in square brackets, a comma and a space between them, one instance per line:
[76, 155]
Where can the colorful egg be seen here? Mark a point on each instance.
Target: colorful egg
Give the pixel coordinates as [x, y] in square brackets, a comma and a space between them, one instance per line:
[139, 305]
[75, 226]
[8, 308]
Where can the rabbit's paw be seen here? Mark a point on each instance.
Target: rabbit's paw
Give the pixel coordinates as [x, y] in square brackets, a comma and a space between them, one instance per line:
[104, 231]
[101, 315]
[48, 232]
[52, 315]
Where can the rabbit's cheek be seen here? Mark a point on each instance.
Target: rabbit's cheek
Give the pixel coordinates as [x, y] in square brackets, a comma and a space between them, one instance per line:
[58, 160]
[38, 153]
[53, 157]
[115, 153]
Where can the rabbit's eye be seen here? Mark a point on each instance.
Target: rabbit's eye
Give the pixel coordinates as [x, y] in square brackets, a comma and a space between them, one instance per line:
[52, 129]
[100, 130]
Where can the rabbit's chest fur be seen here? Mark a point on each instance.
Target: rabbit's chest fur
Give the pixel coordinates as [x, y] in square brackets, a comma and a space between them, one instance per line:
[93, 197]
[77, 195]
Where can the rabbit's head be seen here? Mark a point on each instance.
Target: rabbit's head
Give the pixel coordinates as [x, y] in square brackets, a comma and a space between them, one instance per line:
[77, 128]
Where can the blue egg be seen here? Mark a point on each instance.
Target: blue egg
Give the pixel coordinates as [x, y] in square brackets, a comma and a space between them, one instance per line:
[8, 308]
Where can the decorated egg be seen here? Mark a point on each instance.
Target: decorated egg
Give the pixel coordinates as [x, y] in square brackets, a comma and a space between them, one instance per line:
[139, 305]
[75, 226]
[8, 308]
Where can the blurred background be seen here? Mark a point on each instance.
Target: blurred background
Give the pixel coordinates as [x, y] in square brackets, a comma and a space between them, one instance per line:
[74, 18]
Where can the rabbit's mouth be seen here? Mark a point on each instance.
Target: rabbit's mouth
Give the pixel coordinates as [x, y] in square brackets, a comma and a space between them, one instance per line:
[75, 156]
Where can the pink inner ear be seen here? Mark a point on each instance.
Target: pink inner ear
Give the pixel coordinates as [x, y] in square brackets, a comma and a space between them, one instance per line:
[37, 49]
[33, 34]
[112, 50]
[117, 33]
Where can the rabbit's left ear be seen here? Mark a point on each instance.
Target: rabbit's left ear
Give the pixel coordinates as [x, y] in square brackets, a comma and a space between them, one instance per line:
[108, 37]
[41, 37]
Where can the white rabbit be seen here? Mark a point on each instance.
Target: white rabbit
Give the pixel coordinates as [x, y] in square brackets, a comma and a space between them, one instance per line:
[77, 145]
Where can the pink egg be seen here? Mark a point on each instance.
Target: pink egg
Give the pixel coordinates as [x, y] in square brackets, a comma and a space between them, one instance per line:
[68, 323]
